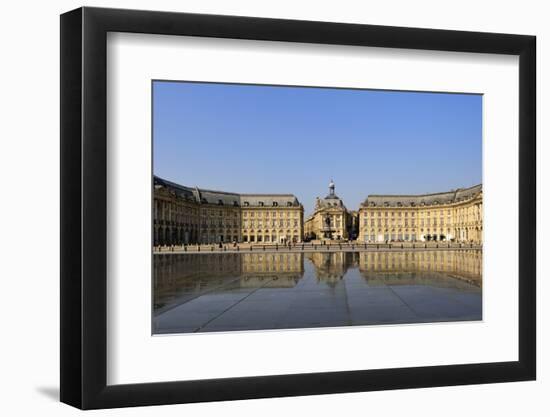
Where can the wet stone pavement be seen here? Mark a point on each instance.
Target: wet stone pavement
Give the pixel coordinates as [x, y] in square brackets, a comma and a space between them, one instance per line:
[227, 292]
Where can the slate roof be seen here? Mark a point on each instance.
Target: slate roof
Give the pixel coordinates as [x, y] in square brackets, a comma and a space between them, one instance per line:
[217, 197]
[270, 200]
[180, 190]
[452, 196]
[330, 201]
[205, 196]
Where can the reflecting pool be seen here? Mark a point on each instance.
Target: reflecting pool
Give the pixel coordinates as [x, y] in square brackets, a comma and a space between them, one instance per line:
[284, 290]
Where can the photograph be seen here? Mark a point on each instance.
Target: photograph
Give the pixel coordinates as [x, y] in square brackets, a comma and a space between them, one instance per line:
[284, 204]
[296, 207]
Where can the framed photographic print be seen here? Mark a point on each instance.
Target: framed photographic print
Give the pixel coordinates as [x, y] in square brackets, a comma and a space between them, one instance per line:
[257, 207]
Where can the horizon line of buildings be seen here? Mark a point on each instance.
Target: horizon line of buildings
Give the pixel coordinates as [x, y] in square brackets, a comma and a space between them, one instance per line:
[188, 215]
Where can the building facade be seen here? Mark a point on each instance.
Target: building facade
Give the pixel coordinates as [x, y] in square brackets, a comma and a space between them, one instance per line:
[189, 215]
[330, 219]
[455, 215]
[271, 218]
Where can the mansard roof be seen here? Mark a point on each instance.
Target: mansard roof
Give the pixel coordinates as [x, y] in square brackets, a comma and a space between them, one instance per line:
[271, 200]
[180, 190]
[217, 197]
[205, 196]
[446, 197]
[330, 201]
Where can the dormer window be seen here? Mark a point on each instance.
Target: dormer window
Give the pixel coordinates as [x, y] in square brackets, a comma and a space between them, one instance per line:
[246, 203]
[220, 202]
[261, 203]
[289, 204]
[275, 204]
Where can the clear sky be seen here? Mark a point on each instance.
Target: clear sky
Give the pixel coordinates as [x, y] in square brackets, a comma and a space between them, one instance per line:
[273, 139]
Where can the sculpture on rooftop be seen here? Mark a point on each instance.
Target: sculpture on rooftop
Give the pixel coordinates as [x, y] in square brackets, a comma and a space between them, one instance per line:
[331, 187]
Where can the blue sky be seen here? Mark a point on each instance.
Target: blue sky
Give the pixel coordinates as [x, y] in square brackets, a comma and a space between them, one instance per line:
[273, 139]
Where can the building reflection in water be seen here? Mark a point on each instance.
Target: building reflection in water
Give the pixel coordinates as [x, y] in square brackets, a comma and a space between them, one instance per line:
[330, 267]
[397, 267]
[182, 277]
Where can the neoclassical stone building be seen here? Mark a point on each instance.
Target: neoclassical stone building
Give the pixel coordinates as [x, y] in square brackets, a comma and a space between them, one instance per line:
[330, 219]
[455, 215]
[271, 218]
[184, 214]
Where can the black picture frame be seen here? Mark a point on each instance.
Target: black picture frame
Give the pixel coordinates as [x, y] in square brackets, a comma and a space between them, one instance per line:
[84, 207]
